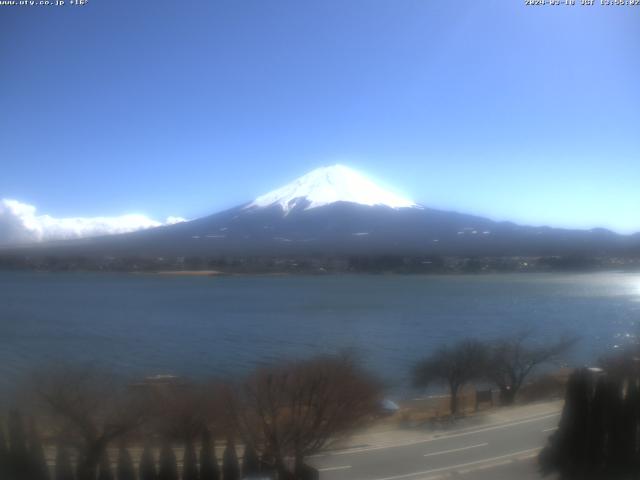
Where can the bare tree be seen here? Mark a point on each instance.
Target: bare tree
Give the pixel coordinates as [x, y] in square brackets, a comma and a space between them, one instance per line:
[183, 410]
[295, 410]
[89, 408]
[453, 366]
[512, 359]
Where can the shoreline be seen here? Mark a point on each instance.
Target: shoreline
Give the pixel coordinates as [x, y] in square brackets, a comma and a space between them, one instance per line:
[219, 273]
[207, 273]
[184, 273]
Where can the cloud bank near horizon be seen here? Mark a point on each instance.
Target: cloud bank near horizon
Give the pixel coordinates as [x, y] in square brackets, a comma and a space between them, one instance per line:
[20, 224]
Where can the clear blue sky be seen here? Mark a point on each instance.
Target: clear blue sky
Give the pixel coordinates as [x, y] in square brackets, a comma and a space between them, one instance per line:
[187, 107]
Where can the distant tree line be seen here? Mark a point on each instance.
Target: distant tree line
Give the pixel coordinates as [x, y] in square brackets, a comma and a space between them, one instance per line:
[334, 263]
[505, 362]
[279, 416]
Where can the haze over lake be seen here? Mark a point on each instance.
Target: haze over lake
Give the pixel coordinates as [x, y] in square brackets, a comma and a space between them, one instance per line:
[220, 326]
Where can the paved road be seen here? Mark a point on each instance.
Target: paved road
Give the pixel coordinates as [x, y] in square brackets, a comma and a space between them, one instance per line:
[503, 450]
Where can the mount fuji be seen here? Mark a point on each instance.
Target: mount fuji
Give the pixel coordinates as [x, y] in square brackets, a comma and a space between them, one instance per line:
[328, 185]
[338, 211]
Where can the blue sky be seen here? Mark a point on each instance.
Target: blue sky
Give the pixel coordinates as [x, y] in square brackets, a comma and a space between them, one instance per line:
[187, 107]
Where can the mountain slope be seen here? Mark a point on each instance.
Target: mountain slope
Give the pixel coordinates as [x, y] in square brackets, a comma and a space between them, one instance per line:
[337, 211]
[347, 229]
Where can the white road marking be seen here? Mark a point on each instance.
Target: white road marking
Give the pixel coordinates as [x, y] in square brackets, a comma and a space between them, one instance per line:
[461, 465]
[455, 450]
[489, 466]
[498, 427]
[434, 439]
[549, 429]
[329, 469]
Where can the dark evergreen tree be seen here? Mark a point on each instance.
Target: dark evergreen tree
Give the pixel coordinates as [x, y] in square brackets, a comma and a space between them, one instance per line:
[125, 469]
[4, 453]
[631, 424]
[598, 424]
[230, 467]
[189, 462]
[39, 468]
[84, 468]
[147, 468]
[18, 460]
[209, 469]
[250, 462]
[268, 465]
[307, 472]
[567, 452]
[616, 431]
[168, 465]
[105, 472]
[598, 437]
[63, 469]
[634, 406]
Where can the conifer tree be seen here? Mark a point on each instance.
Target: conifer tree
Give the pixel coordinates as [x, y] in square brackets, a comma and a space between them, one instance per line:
[630, 426]
[39, 470]
[567, 452]
[125, 469]
[268, 465]
[597, 426]
[105, 472]
[250, 462]
[209, 469]
[616, 433]
[634, 412]
[63, 469]
[168, 465]
[230, 467]
[18, 458]
[147, 468]
[189, 462]
[3, 453]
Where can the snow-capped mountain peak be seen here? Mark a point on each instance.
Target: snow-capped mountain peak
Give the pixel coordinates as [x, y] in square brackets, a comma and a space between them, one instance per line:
[327, 185]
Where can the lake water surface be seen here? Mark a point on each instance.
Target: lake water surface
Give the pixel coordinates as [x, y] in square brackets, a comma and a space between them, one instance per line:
[220, 326]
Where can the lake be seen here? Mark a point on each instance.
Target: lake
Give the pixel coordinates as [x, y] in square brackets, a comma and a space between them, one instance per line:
[222, 326]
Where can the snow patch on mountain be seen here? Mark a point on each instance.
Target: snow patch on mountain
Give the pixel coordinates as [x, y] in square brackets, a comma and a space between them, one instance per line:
[328, 185]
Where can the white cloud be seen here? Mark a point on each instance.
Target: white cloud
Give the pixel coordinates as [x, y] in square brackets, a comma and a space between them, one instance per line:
[19, 223]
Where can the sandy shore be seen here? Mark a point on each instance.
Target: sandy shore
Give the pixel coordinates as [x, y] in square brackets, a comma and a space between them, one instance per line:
[189, 273]
[209, 273]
